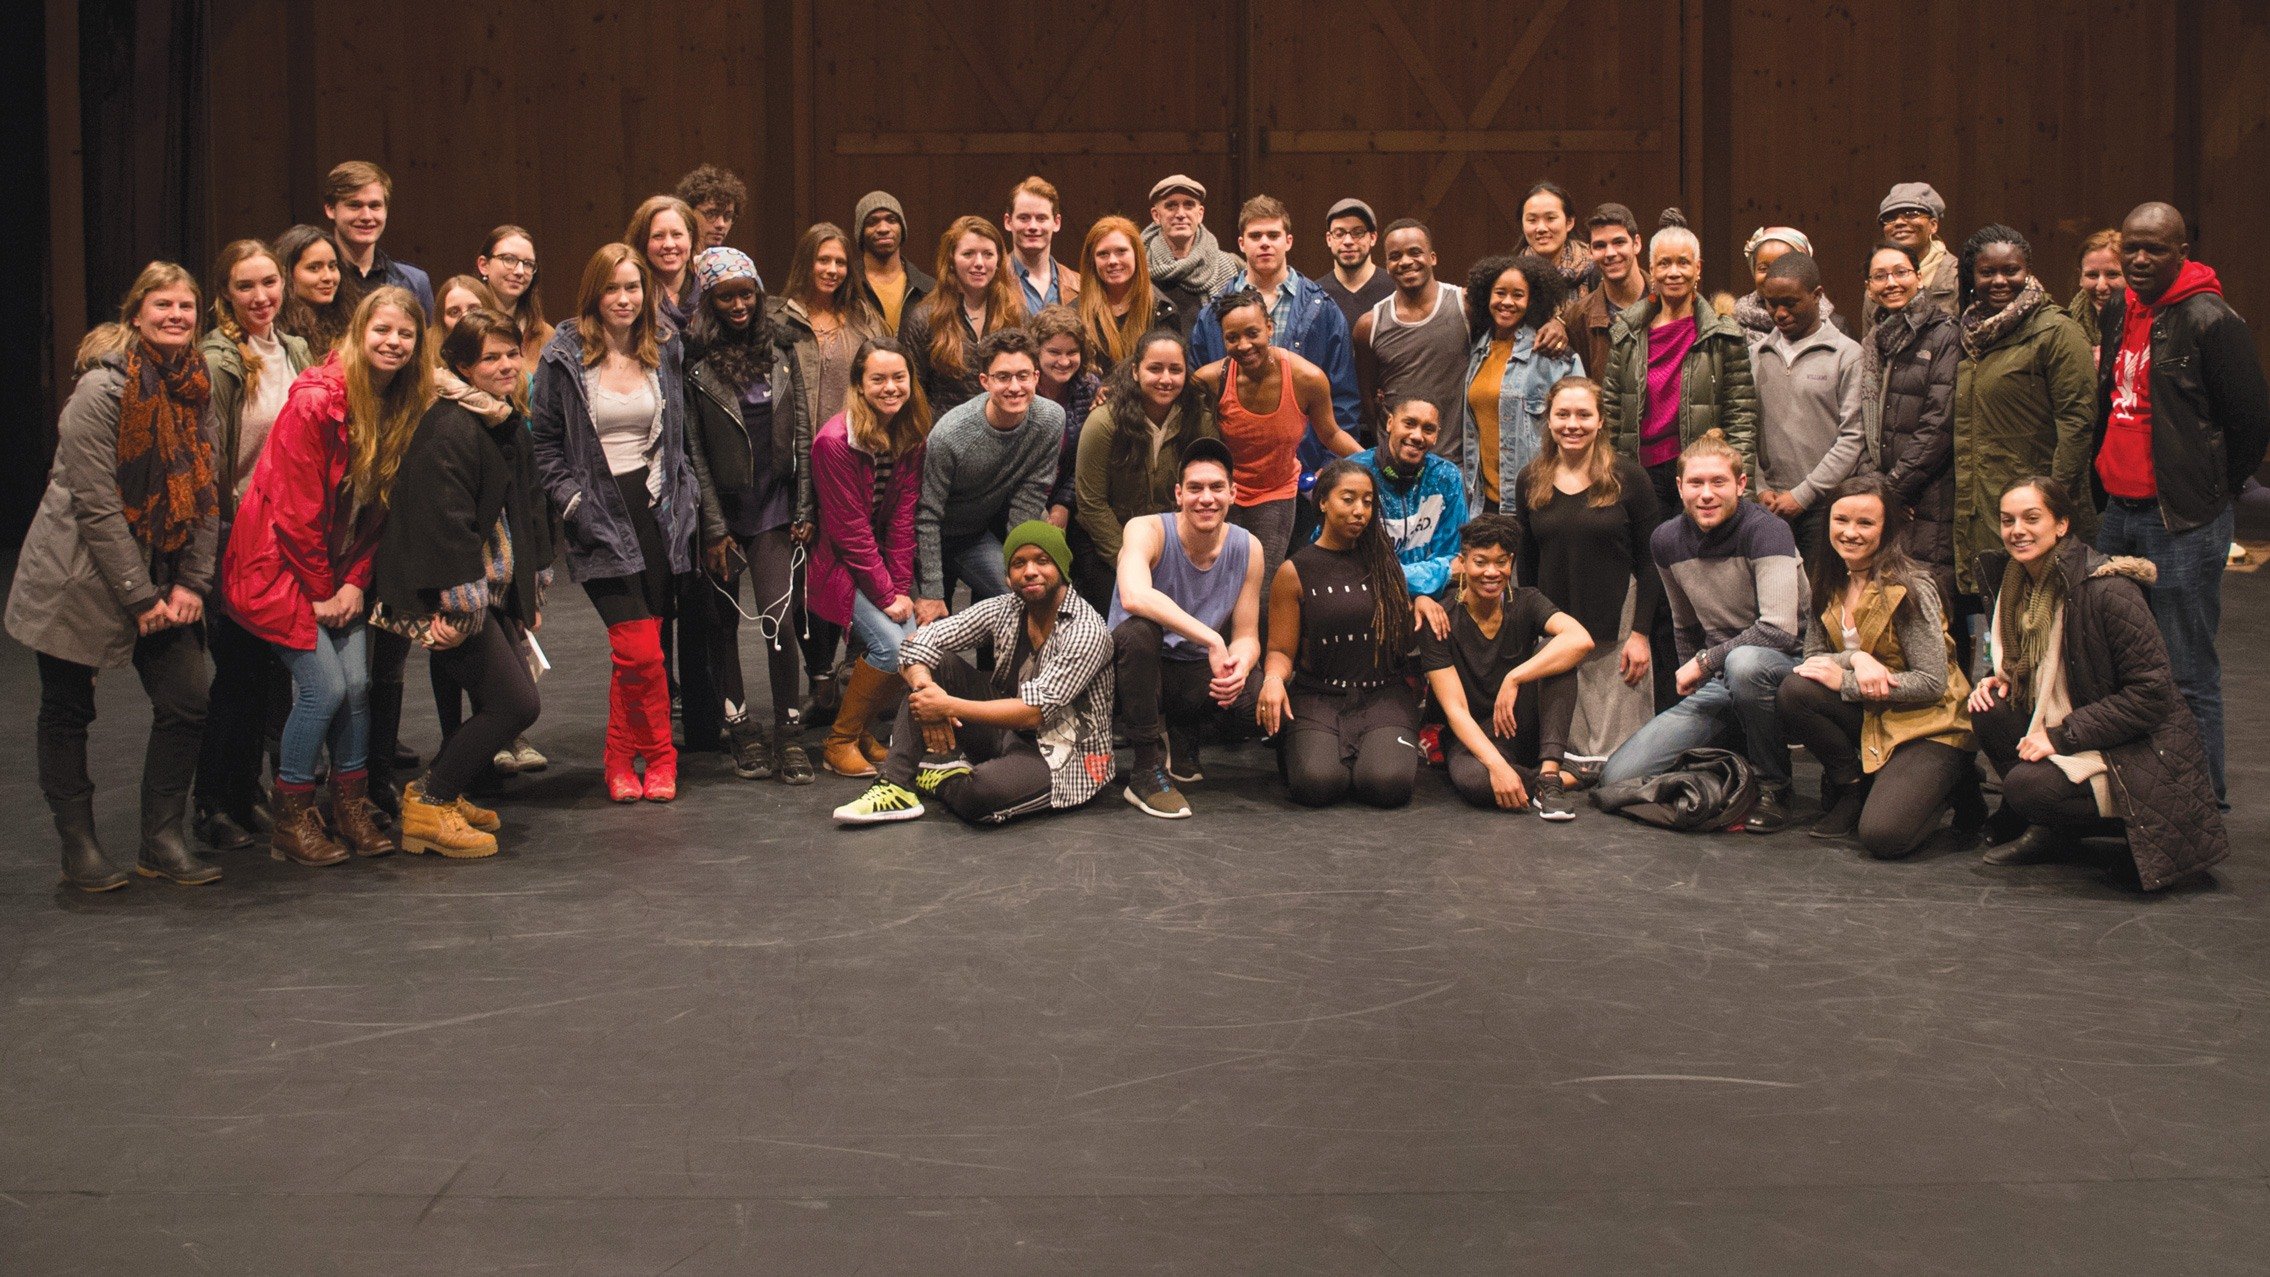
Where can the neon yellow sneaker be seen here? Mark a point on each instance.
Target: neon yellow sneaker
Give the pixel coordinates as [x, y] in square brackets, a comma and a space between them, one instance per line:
[937, 769]
[883, 803]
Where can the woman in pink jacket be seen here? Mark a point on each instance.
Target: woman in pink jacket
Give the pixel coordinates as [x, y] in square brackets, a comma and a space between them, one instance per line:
[867, 472]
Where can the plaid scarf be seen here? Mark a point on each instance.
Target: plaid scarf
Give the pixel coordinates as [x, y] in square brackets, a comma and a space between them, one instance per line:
[1984, 327]
[165, 463]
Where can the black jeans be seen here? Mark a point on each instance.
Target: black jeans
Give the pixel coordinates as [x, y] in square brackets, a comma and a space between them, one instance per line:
[1904, 795]
[1662, 646]
[766, 562]
[2038, 792]
[389, 658]
[171, 664]
[1008, 777]
[1542, 713]
[1154, 690]
[490, 667]
[250, 688]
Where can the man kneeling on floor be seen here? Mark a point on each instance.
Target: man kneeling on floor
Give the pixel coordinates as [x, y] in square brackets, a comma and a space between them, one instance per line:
[1036, 735]
[1490, 663]
[1185, 627]
[1736, 590]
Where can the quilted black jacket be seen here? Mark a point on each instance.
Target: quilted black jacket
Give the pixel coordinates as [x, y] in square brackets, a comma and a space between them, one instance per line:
[2125, 704]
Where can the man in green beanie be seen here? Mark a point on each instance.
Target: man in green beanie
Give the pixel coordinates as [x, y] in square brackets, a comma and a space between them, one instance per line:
[1034, 736]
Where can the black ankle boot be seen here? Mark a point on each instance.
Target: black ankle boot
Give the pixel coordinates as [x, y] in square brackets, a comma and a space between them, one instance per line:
[220, 831]
[84, 865]
[1840, 809]
[164, 854]
[1970, 805]
[2038, 845]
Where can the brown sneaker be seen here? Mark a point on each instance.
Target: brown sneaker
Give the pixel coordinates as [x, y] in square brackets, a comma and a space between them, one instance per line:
[298, 834]
[355, 819]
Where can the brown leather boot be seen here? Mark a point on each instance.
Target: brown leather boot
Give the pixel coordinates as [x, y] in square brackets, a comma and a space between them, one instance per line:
[863, 689]
[298, 834]
[355, 818]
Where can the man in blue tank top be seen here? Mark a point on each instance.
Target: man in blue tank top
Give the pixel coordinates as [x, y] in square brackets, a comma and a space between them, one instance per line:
[1185, 627]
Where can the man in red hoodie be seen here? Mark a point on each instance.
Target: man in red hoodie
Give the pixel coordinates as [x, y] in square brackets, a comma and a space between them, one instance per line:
[2183, 418]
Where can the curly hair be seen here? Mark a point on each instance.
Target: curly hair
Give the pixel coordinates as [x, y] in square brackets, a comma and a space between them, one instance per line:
[1547, 290]
[1987, 237]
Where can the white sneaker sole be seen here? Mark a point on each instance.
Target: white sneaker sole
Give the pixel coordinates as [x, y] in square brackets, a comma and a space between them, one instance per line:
[843, 816]
[1134, 800]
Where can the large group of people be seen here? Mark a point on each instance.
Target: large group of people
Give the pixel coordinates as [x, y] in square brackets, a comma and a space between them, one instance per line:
[1021, 530]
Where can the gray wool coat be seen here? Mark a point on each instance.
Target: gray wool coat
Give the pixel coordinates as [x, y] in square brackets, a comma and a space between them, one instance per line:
[82, 577]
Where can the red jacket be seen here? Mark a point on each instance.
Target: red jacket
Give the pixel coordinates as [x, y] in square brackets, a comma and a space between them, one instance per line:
[291, 546]
[847, 556]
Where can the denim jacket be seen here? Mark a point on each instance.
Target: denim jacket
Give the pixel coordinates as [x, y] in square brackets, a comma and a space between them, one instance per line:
[1521, 405]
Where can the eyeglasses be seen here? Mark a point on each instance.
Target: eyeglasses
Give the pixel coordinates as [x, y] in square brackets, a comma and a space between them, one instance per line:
[517, 265]
[1342, 234]
[1025, 378]
[1905, 215]
[1888, 276]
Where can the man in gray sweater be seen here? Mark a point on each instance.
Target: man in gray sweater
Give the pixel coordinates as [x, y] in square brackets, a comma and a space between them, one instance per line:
[1812, 435]
[988, 466]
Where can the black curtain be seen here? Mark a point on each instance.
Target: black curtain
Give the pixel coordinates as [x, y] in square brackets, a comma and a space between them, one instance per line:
[27, 386]
[143, 120]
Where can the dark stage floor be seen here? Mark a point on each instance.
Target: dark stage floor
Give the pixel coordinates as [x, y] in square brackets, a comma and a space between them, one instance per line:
[722, 1037]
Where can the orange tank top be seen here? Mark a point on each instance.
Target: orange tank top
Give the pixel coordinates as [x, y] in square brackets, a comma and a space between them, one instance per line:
[1264, 447]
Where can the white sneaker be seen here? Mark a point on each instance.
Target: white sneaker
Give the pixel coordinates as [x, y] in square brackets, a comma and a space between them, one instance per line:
[526, 757]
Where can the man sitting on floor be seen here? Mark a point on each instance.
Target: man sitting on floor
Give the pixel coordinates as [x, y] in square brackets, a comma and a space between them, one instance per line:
[1504, 677]
[1036, 735]
[1185, 627]
[1736, 590]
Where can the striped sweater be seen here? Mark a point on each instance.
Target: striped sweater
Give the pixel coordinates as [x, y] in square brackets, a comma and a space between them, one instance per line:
[1740, 584]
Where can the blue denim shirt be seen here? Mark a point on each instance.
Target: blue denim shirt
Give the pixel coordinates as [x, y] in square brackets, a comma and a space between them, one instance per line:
[1036, 298]
[1521, 406]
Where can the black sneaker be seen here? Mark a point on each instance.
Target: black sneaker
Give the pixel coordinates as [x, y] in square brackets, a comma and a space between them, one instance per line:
[1550, 798]
[1152, 792]
[1182, 754]
[1771, 815]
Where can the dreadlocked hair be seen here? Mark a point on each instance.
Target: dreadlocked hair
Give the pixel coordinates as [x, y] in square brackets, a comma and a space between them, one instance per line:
[1390, 592]
[1987, 237]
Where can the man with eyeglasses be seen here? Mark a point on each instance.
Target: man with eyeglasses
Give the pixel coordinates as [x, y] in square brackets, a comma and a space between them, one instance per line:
[1910, 217]
[988, 467]
[1356, 283]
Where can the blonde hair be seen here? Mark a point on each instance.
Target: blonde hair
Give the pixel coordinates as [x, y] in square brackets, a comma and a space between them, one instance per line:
[1713, 443]
[1602, 487]
[1109, 339]
[105, 340]
[380, 422]
[484, 297]
[1003, 307]
[345, 179]
[646, 340]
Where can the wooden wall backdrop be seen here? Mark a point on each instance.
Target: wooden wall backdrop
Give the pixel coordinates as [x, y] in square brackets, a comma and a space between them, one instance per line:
[2056, 116]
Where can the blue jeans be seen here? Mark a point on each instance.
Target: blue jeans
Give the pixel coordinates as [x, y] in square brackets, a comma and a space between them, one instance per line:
[976, 563]
[330, 704]
[2187, 601]
[1737, 702]
[879, 634]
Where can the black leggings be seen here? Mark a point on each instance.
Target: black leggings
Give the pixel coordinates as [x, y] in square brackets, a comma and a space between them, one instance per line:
[1154, 689]
[1904, 795]
[1542, 713]
[1362, 745]
[1008, 777]
[250, 687]
[171, 664]
[488, 665]
[769, 559]
[2038, 792]
[648, 593]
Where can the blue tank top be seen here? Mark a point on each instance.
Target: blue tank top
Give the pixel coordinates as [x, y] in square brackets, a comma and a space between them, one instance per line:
[1209, 595]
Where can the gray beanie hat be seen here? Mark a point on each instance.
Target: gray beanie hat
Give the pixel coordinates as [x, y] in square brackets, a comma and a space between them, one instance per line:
[872, 201]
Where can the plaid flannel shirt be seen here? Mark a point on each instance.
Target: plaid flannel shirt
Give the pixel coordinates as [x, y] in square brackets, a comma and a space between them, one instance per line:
[1071, 688]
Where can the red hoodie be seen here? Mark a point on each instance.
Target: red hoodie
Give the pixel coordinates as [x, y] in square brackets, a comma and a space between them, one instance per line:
[2124, 461]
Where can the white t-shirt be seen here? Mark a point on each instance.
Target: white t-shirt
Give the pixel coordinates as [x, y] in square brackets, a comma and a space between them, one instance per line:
[259, 410]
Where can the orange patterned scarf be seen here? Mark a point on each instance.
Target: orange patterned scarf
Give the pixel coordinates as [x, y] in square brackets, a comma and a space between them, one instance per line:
[165, 463]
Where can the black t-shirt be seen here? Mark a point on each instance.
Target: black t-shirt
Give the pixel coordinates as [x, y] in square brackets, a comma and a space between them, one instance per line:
[1482, 662]
[1377, 289]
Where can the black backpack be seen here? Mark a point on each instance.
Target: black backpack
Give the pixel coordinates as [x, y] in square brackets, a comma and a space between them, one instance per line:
[1706, 789]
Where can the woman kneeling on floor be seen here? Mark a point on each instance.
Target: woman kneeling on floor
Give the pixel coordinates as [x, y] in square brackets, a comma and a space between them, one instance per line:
[1341, 636]
[461, 571]
[1878, 700]
[2081, 714]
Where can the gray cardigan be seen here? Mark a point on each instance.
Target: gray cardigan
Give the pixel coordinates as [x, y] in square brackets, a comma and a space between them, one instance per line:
[82, 577]
[1920, 632]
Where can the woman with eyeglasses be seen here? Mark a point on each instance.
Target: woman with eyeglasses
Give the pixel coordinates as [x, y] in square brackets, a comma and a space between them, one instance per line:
[507, 264]
[1908, 364]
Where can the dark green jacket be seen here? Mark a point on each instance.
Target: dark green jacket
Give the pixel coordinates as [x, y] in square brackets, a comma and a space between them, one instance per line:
[2027, 406]
[1715, 387]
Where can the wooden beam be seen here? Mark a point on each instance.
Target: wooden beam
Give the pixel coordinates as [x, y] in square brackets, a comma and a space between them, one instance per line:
[1459, 141]
[1039, 143]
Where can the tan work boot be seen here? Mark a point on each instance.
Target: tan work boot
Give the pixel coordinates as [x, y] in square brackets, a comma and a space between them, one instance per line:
[441, 827]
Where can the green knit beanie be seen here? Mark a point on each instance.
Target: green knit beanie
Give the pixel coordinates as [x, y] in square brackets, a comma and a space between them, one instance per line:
[1044, 534]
